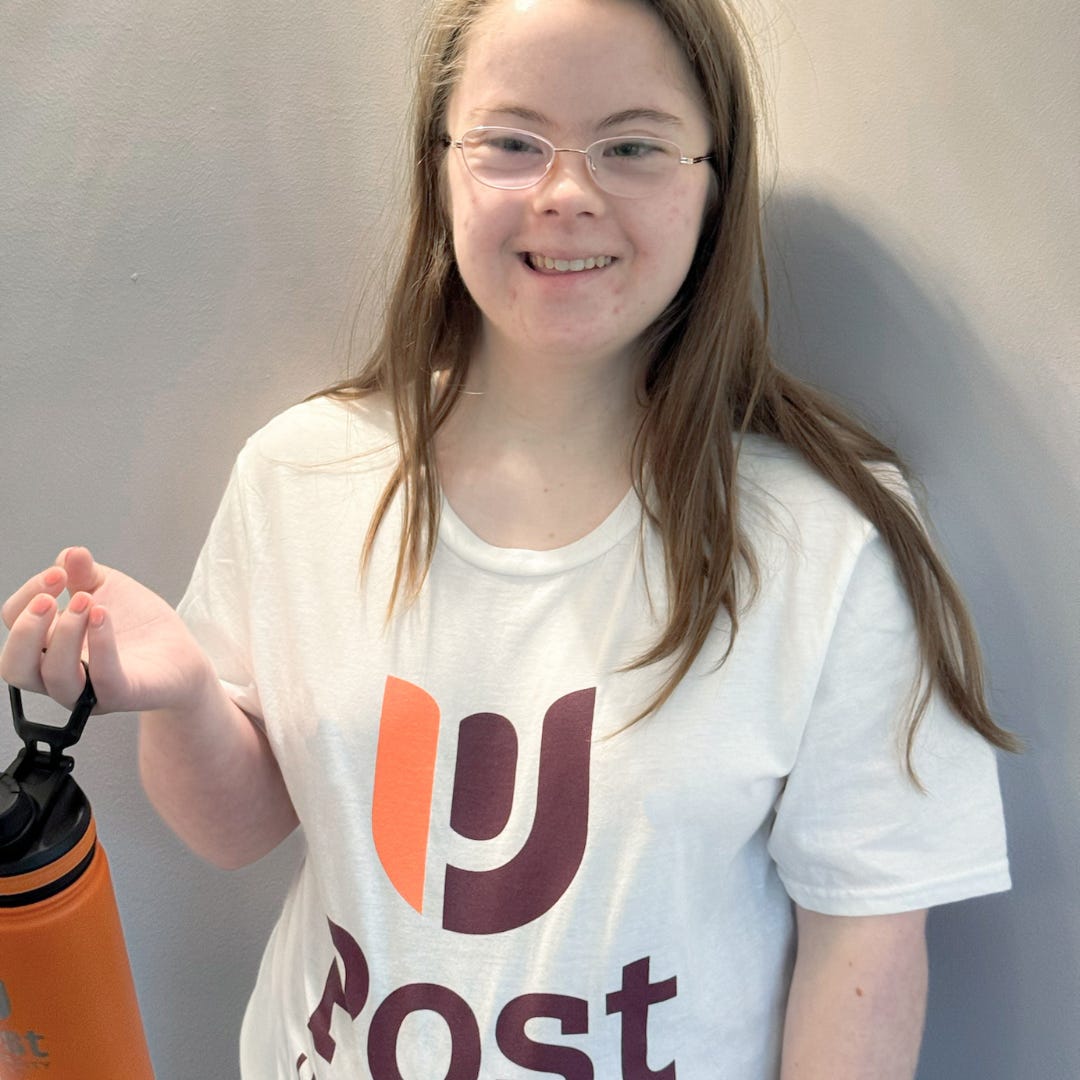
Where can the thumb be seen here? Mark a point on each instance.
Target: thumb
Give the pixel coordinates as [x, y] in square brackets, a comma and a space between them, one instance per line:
[84, 574]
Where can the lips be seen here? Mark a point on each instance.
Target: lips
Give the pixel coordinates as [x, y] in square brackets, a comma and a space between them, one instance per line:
[573, 265]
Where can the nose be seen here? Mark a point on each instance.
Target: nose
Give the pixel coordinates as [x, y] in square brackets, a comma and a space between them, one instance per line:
[569, 186]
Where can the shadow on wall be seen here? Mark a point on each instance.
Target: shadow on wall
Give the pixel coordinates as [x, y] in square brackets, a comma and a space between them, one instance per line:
[850, 317]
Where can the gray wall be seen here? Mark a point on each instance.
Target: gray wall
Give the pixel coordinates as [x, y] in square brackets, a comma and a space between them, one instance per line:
[190, 199]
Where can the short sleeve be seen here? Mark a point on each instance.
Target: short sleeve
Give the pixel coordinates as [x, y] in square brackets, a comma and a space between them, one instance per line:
[217, 604]
[852, 834]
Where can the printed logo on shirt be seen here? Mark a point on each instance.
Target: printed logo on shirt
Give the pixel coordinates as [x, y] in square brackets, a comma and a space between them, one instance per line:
[532, 881]
[347, 990]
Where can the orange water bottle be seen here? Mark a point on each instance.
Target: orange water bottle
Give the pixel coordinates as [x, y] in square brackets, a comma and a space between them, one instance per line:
[68, 1009]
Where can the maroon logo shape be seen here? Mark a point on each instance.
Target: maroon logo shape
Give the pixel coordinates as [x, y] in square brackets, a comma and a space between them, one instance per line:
[532, 881]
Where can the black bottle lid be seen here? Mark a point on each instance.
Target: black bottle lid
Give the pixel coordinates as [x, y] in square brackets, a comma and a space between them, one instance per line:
[16, 810]
[44, 815]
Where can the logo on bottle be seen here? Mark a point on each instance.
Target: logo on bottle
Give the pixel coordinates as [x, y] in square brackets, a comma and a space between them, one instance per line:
[532, 881]
[19, 1050]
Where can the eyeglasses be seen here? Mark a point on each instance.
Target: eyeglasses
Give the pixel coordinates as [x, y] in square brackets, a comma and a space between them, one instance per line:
[629, 166]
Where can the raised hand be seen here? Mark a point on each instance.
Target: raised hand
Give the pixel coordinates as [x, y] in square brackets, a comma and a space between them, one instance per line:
[140, 654]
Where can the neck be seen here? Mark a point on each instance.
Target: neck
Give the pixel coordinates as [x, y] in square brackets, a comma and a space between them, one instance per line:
[563, 405]
[537, 450]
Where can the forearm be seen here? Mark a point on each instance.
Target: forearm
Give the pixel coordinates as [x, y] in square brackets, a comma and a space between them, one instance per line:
[211, 775]
[858, 998]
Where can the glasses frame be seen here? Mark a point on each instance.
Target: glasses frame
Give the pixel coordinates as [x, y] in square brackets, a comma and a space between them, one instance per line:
[682, 159]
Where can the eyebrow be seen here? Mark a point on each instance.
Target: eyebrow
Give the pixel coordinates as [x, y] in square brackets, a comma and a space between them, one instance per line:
[624, 116]
[655, 116]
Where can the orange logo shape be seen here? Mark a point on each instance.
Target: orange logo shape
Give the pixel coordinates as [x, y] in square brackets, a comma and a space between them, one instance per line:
[404, 777]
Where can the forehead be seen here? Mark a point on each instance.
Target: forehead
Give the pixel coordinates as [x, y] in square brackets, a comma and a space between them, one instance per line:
[573, 63]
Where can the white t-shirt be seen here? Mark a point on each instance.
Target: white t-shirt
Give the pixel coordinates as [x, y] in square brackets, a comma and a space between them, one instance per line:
[501, 879]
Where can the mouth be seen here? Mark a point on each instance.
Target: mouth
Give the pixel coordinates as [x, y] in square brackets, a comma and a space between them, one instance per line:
[547, 264]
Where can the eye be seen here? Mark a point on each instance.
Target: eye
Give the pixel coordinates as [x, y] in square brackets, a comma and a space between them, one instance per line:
[510, 144]
[633, 149]
[518, 146]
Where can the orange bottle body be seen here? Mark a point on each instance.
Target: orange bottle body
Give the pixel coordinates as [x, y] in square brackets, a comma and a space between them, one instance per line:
[68, 1009]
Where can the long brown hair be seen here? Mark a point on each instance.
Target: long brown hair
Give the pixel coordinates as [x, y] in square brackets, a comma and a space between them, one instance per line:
[709, 379]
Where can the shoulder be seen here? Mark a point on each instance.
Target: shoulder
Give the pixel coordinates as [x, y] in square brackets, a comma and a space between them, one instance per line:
[324, 434]
[787, 507]
[778, 485]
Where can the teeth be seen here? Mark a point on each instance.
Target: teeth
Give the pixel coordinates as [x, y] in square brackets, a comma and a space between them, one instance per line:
[594, 262]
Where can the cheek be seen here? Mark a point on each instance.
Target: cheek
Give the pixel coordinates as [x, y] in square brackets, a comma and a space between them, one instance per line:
[473, 218]
[691, 212]
[480, 244]
[672, 233]
[460, 207]
[467, 230]
[483, 239]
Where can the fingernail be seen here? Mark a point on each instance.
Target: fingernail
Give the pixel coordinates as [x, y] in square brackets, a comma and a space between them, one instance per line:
[40, 605]
[97, 618]
[53, 577]
[79, 603]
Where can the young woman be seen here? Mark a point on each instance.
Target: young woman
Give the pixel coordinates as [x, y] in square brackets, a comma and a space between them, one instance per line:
[631, 720]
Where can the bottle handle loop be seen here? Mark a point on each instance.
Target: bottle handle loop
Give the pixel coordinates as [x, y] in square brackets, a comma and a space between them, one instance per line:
[58, 739]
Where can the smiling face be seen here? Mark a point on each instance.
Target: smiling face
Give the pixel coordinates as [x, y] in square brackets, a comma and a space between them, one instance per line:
[562, 270]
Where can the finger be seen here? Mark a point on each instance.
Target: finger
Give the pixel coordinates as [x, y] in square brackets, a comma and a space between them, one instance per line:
[61, 670]
[20, 660]
[51, 581]
[84, 574]
[105, 670]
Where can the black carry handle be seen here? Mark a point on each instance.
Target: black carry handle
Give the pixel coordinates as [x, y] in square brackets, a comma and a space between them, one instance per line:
[58, 739]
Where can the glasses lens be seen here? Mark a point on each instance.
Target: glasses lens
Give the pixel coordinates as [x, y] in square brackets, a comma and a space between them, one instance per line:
[505, 157]
[633, 166]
